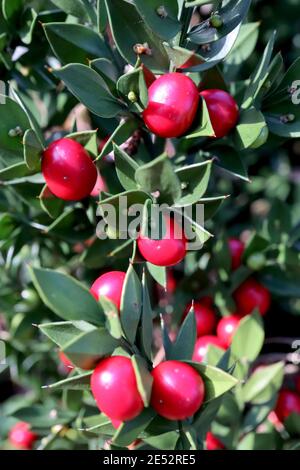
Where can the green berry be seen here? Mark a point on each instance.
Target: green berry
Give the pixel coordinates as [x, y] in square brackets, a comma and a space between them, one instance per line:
[256, 261]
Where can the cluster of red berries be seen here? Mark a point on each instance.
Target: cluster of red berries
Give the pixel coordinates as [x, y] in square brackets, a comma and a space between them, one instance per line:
[177, 390]
[173, 101]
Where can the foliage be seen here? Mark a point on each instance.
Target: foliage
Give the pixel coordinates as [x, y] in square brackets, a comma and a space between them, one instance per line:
[68, 69]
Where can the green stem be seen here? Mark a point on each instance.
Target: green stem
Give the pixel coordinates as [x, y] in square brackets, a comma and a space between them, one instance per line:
[185, 19]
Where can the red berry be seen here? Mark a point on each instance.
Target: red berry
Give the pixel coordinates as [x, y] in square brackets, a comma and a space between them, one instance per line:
[168, 251]
[21, 436]
[251, 295]
[68, 170]
[212, 443]
[66, 361]
[202, 344]
[236, 248]
[114, 387]
[205, 318]
[148, 76]
[177, 391]
[223, 111]
[207, 301]
[172, 105]
[100, 186]
[190, 62]
[109, 285]
[226, 328]
[288, 402]
[171, 282]
[102, 143]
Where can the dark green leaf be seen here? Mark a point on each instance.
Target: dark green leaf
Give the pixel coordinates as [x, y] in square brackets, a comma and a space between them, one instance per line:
[32, 150]
[40, 416]
[66, 296]
[132, 31]
[120, 135]
[184, 345]
[232, 14]
[130, 311]
[146, 319]
[249, 128]
[89, 88]
[75, 43]
[129, 431]
[76, 382]
[126, 168]
[195, 179]
[159, 176]
[159, 273]
[143, 377]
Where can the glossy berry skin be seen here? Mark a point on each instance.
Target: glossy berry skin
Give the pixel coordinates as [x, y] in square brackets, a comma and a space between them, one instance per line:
[226, 328]
[168, 251]
[205, 318]
[236, 248]
[21, 437]
[172, 105]
[288, 402]
[109, 285]
[114, 388]
[251, 295]
[100, 186]
[202, 344]
[223, 111]
[69, 171]
[177, 390]
[213, 443]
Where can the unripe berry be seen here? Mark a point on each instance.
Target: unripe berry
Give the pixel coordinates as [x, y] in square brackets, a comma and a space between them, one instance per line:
[177, 390]
[216, 21]
[69, 171]
[256, 261]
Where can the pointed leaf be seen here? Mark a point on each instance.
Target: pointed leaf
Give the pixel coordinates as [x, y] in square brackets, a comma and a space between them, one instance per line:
[66, 297]
[131, 299]
[89, 88]
[143, 378]
[126, 168]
